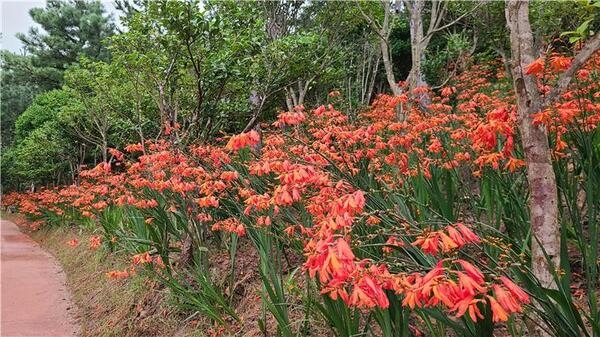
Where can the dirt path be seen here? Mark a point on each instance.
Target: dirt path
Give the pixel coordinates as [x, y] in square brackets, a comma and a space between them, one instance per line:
[34, 298]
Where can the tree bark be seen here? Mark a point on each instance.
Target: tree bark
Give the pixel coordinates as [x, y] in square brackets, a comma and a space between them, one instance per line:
[385, 50]
[417, 42]
[389, 68]
[540, 174]
[367, 99]
[543, 197]
[289, 99]
[104, 148]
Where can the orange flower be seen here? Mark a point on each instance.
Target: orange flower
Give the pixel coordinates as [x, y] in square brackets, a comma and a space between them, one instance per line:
[142, 258]
[367, 293]
[447, 91]
[471, 270]
[116, 274]
[209, 201]
[229, 175]
[291, 118]
[468, 235]
[515, 290]
[290, 230]
[263, 221]
[435, 146]
[469, 285]
[543, 117]
[441, 293]
[73, 242]
[242, 140]
[513, 164]
[469, 304]
[535, 67]
[506, 299]
[95, 241]
[373, 220]
[429, 243]
[498, 313]
[447, 243]
[331, 260]
[159, 261]
[560, 63]
[583, 74]
[455, 236]
[411, 300]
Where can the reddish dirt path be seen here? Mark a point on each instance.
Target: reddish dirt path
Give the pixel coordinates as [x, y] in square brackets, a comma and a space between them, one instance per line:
[34, 298]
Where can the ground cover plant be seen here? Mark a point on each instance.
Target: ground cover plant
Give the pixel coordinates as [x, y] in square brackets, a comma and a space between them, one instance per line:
[374, 225]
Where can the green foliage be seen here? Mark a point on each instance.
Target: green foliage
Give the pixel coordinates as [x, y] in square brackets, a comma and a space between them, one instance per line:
[195, 64]
[43, 156]
[45, 108]
[104, 112]
[447, 56]
[558, 19]
[200, 295]
[71, 29]
[20, 83]
[400, 47]
[44, 153]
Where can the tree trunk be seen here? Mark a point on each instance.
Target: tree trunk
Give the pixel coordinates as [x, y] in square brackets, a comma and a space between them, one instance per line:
[302, 90]
[289, 100]
[417, 42]
[540, 174]
[389, 69]
[543, 196]
[367, 98]
[384, 34]
[384, 31]
[104, 149]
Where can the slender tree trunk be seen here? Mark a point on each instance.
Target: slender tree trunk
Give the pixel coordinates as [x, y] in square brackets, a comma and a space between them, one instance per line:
[540, 174]
[367, 99]
[385, 50]
[389, 69]
[104, 149]
[417, 43]
[543, 196]
[302, 90]
[289, 100]
[384, 31]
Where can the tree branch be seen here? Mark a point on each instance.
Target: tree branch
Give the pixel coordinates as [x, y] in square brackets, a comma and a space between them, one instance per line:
[370, 20]
[384, 31]
[590, 48]
[437, 29]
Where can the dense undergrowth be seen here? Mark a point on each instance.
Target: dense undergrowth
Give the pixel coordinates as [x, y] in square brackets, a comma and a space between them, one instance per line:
[410, 219]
